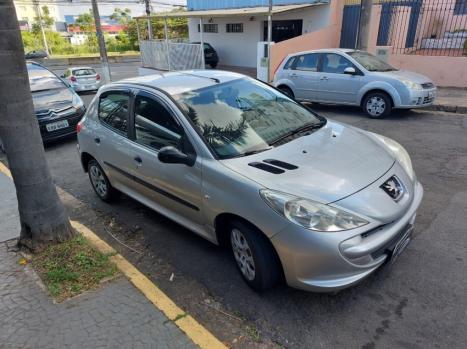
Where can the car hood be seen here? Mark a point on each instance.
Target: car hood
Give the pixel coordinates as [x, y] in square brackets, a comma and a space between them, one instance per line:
[406, 75]
[333, 162]
[55, 99]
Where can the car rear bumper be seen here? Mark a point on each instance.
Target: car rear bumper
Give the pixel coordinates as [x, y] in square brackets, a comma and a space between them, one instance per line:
[81, 87]
[327, 262]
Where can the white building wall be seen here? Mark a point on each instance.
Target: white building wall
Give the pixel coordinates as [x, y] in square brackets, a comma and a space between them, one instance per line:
[239, 49]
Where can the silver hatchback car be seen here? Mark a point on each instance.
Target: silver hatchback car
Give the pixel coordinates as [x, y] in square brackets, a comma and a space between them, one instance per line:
[351, 77]
[82, 78]
[291, 193]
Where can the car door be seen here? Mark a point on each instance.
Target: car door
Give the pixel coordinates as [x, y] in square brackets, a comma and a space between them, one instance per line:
[172, 188]
[111, 138]
[304, 75]
[334, 85]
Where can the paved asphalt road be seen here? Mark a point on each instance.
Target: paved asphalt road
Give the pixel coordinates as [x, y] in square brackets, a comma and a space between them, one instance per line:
[418, 302]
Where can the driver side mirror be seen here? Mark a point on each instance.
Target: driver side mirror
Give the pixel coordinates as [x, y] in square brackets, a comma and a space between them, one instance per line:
[350, 71]
[171, 155]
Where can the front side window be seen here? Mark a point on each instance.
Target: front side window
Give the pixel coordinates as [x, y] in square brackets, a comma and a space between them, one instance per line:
[290, 63]
[308, 62]
[243, 116]
[155, 126]
[113, 110]
[334, 63]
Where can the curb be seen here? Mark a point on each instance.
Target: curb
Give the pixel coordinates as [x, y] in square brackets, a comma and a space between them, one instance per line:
[185, 322]
[448, 108]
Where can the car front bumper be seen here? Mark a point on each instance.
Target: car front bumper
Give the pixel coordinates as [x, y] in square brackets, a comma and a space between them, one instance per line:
[48, 136]
[327, 262]
[419, 98]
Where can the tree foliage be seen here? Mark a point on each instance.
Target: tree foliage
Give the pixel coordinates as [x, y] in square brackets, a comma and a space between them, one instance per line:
[47, 21]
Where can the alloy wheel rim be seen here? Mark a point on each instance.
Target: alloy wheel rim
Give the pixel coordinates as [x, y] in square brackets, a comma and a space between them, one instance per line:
[98, 181]
[376, 106]
[243, 255]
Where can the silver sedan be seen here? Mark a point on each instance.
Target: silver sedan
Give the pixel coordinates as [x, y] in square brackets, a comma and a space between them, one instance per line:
[290, 193]
[342, 76]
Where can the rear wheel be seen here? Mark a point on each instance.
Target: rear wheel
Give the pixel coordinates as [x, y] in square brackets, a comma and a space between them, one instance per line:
[213, 65]
[287, 91]
[255, 257]
[377, 105]
[100, 182]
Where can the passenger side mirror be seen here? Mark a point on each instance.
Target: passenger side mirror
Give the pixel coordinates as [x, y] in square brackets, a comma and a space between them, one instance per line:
[350, 71]
[171, 155]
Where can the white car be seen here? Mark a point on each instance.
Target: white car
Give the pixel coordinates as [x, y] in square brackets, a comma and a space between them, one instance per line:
[351, 77]
[82, 78]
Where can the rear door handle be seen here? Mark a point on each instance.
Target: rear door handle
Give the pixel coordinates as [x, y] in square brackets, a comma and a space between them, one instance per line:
[324, 78]
[97, 140]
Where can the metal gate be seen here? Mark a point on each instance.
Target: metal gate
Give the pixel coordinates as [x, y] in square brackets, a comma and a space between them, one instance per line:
[350, 19]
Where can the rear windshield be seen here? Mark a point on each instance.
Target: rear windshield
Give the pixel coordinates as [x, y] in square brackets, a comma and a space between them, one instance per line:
[83, 72]
[41, 79]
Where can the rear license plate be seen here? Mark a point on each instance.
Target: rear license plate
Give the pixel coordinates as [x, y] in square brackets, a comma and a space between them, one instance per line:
[402, 244]
[54, 126]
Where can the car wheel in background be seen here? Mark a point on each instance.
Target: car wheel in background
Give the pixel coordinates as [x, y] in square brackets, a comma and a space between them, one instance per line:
[287, 91]
[100, 183]
[254, 255]
[377, 105]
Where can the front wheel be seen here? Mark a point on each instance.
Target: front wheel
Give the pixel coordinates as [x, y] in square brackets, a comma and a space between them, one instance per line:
[255, 257]
[287, 91]
[377, 105]
[100, 182]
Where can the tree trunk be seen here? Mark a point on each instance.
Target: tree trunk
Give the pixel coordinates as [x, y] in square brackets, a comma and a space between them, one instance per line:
[42, 215]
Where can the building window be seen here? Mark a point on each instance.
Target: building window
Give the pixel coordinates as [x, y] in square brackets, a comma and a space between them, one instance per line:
[234, 27]
[460, 8]
[209, 28]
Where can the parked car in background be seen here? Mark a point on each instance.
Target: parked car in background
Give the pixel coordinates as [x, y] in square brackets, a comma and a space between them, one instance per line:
[58, 108]
[210, 55]
[36, 54]
[83, 78]
[352, 77]
[241, 164]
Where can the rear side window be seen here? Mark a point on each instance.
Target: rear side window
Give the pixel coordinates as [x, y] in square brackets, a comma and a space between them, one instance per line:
[308, 62]
[289, 63]
[113, 111]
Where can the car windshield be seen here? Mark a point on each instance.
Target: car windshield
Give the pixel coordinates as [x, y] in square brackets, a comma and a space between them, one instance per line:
[40, 79]
[244, 116]
[84, 72]
[370, 62]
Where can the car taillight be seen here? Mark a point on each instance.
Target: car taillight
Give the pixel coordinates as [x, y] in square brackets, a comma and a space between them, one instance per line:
[98, 77]
[79, 126]
[72, 78]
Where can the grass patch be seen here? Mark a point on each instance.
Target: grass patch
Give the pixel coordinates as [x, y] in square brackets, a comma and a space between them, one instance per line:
[72, 267]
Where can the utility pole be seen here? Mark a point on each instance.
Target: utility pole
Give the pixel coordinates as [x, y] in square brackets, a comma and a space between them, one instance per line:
[39, 15]
[269, 40]
[100, 38]
[148, 13]
[363, 33]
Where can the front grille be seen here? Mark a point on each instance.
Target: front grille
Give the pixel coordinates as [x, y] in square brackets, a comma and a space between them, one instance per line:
[428, 85]
[391, 243]
[52, 114]
[427, 100]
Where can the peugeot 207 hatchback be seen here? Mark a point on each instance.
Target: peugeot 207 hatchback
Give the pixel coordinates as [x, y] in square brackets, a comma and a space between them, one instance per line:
[238, 162]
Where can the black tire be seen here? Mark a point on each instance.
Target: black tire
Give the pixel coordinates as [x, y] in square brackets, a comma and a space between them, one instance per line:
[266, 265]
[377, 105]
[287, 91]
[213, 65]
[103, 188]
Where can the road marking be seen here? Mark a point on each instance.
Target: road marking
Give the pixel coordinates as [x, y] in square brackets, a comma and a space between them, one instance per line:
[192, 328]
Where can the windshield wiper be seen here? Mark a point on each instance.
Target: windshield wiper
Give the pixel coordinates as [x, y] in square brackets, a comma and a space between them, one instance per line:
[251, 152]
[304, 128]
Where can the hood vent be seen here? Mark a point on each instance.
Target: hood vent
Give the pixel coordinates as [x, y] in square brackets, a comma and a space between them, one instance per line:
[266, 167]
[281, 164]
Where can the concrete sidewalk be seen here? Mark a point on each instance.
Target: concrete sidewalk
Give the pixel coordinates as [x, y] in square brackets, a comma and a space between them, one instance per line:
[116, 315]
[452, 100]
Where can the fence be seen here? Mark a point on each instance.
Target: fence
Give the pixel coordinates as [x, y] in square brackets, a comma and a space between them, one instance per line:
[171, 55]
[422, 27]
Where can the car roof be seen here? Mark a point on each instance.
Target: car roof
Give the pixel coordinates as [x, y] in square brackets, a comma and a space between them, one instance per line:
[174, 83]
[337, 50]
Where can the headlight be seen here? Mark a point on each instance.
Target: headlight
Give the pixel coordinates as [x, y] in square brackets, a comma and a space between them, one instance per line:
[399, 153]
[311, 214]
[77, 101]
[412, 85]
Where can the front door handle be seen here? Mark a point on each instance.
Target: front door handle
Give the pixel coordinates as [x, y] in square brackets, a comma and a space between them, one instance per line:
[324, 78]
[138, 160]
[293, 75]
[97, 140]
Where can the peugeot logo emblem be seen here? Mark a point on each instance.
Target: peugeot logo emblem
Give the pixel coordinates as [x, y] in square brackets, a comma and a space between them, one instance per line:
[393, 187]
